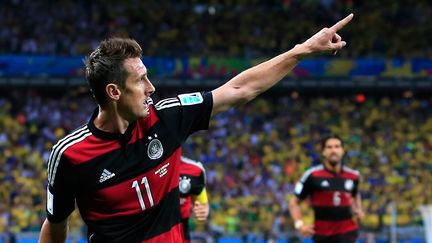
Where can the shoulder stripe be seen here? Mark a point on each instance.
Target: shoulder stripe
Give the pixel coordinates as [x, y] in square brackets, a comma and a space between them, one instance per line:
[345, 168]
[56, 149]
[166, 101]
[309, 172]
[60, 151]
[60, 143]
[167, 106]
[195, 163]
[54, 162]
[80, 129]
[192, 162]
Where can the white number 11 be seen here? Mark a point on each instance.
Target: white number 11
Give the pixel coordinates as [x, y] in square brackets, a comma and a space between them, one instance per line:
[139, 194]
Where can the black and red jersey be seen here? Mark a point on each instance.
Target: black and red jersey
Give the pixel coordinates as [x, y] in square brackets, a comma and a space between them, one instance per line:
[126, 185]
[192, 182]
[331, 196]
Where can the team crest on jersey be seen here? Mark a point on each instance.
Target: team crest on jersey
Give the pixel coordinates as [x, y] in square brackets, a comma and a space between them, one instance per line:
[155, 149]
[184, 184]
[349, 185]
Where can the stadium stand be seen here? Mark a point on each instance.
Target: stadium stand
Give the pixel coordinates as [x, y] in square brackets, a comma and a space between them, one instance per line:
[255, 156]
[246, 28]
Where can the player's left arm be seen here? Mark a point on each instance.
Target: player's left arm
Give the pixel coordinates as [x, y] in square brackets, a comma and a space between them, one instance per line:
[53, 232]
[201, 208]
[357, 209]
[357, 205]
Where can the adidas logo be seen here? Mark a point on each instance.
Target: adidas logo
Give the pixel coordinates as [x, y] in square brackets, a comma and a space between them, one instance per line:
[325, 183]
[106, 175]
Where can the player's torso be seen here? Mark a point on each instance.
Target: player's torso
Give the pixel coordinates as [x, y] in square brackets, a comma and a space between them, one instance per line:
[331, 199]
[120, 182]
[332, 190]
[116, 172]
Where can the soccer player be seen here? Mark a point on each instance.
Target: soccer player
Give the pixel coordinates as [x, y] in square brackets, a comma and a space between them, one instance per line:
[122, 167]
[193, 194]
[333, 192]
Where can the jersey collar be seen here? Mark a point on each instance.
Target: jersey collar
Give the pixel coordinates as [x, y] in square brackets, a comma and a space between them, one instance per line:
[123, 138]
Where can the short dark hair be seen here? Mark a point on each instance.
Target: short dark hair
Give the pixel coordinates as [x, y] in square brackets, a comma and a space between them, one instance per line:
[333, 136]
[105, 65]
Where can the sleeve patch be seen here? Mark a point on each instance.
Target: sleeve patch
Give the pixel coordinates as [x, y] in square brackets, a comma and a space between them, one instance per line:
[298, 188]
[50, 200]
[191, 98]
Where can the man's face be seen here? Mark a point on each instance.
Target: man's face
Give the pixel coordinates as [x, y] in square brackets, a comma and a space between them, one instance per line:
[138, 88]
[333, 151]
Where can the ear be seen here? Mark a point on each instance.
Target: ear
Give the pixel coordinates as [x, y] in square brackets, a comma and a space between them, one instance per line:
[113, 91]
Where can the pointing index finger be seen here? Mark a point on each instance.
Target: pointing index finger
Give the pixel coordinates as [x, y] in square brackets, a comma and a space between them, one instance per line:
[339, 25]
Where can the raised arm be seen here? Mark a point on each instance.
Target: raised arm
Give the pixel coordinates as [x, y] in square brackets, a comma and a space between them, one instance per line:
[255, 80]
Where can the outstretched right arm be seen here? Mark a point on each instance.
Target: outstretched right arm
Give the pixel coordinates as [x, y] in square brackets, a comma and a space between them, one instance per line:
[255, 80]
[53, 232]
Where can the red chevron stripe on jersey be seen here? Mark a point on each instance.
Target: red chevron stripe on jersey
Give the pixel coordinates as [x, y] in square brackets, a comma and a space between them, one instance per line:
[92, 147]
[133, 195]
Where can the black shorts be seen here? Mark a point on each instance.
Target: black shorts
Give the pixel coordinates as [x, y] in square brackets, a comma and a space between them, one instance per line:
[349, 237]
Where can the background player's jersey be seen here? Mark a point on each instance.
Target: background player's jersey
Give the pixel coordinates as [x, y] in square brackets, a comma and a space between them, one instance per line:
[331, 196]
[192, 182]
[126, 186]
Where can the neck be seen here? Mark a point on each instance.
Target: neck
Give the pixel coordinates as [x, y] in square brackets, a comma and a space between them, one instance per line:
[337, 168]
[109, 120]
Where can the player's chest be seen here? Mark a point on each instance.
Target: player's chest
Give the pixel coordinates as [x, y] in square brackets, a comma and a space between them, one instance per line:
[151, 158]
[333, 184]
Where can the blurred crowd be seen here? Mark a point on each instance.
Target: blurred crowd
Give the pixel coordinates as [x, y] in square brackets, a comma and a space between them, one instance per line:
[245, 28]
[253, 155]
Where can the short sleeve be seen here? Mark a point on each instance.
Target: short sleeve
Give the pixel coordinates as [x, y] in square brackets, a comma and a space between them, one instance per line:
[303, 188]
[186, 113]
[356, 186]
[198, 184]
[192, 177]
[60, 191]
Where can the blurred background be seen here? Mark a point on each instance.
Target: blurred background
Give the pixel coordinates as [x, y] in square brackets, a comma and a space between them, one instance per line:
[375, 93]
